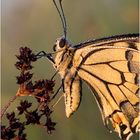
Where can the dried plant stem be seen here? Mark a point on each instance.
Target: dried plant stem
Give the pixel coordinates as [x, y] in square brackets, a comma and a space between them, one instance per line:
[3, 110]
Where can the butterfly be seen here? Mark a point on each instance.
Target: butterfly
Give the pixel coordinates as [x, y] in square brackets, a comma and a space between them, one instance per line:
[110, 67]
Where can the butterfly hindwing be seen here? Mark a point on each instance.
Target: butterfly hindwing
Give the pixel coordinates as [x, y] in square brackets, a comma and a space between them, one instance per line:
[113, 74]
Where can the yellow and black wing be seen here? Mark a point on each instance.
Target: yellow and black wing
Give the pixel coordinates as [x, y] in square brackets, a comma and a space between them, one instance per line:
[110, 67]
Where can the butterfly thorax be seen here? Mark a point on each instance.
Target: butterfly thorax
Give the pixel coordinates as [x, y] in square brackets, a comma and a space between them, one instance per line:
[63, 56]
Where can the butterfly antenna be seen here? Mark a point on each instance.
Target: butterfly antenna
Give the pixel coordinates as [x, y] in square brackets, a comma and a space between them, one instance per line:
[62, 16]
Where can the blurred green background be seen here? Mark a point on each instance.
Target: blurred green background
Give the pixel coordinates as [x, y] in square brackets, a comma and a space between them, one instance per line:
[35, 23]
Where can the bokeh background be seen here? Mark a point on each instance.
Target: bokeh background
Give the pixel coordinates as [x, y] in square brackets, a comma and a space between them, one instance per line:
[36, 24]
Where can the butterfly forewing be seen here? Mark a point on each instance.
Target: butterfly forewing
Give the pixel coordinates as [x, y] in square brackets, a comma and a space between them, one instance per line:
[110, 66]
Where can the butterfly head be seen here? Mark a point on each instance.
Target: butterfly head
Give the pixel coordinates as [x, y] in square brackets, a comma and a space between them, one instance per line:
[61, 44]
[62, 55]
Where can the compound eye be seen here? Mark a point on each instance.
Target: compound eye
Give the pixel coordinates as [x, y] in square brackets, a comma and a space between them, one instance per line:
[62, 42]
[54, 47]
